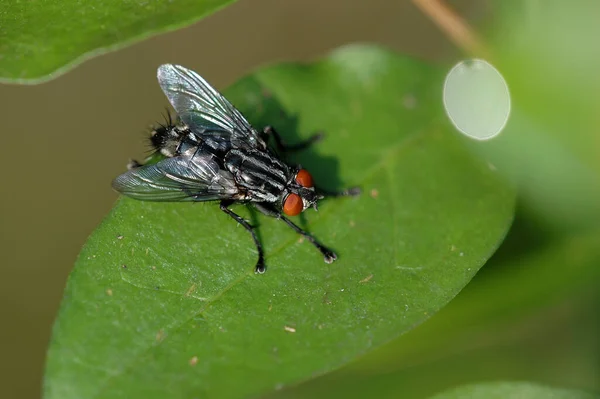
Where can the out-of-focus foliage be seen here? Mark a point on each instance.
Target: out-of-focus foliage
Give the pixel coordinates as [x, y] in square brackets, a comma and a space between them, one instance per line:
[547, 52]
[39, 39]
[507, 390]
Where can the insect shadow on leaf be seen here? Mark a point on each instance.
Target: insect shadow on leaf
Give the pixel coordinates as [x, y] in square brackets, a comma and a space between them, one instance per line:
[212, 153]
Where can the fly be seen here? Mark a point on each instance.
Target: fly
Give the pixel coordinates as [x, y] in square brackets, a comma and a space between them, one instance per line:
[214, 154]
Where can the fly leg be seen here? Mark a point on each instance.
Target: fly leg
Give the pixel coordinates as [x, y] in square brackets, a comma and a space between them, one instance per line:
[349, 192]
[281, 146]
[260, 264]
[132, 164]
[328, 255]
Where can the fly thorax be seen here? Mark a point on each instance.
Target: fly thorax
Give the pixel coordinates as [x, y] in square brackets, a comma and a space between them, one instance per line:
[261, 174]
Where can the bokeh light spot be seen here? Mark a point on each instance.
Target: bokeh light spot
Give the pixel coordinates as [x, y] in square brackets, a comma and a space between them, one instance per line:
[476, 99]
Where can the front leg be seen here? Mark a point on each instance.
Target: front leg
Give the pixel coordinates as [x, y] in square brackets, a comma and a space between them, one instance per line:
[267, 209]
[281, 146]
[349, 192]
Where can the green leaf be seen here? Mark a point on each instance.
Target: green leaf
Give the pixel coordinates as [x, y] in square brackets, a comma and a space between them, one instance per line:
[505, 291]
[505, 390]
[163, 300]
[502, 325]
[41, 39]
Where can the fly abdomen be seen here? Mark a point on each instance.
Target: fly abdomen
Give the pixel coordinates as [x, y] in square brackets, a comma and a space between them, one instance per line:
[172, 140]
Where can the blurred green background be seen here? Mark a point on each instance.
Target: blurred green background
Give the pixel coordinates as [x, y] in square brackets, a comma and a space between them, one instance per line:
[532, 313]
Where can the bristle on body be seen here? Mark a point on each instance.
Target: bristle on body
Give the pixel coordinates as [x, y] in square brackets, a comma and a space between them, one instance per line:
[166, 138]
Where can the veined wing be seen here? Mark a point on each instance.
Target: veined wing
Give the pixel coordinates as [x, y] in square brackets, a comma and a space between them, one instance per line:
[182, 178]
[203, 109]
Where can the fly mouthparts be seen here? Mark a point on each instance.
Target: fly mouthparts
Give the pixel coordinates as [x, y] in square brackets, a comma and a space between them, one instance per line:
[315, 206]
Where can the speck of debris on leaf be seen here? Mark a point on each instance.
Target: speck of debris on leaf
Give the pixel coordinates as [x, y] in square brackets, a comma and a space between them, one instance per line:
[153, 267]
[409, 101]
[124, 266]
[326, 299]
[300, 240]
[109, 292]
[160, 335]
[289, 329]
[191, 290]
[194, 361]
[366, 279]
[119, 237]
[352, 224]
[374, 193]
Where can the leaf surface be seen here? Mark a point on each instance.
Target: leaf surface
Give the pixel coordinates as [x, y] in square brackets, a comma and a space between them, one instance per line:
[163, 300]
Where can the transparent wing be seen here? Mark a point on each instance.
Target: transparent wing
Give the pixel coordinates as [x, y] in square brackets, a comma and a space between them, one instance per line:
[203, 109]
[182, 178]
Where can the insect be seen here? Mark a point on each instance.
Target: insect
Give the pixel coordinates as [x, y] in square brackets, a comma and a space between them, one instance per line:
[214, 154]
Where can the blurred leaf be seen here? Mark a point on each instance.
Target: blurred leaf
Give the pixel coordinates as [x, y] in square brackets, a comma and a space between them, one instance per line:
[512, 390]
[39, 39]
[163, 300]
[548, 55]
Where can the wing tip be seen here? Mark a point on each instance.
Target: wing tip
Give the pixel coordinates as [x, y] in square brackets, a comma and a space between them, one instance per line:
[163, 70]
[117, 183]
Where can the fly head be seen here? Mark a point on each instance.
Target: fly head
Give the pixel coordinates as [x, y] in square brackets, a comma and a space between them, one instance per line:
[301, 194]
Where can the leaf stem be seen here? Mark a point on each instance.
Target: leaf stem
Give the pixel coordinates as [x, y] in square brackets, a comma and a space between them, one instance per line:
[455, 28]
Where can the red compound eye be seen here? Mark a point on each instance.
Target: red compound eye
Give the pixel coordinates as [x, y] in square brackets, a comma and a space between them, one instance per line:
[293, 205]
[304, 178]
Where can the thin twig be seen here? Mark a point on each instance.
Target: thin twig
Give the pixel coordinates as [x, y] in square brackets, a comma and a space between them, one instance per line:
[458, 31]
